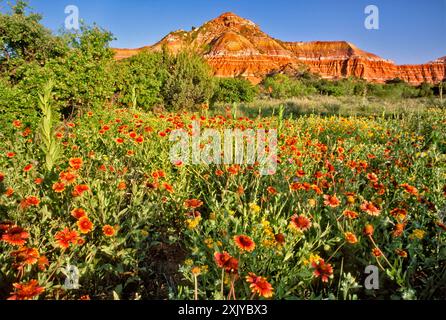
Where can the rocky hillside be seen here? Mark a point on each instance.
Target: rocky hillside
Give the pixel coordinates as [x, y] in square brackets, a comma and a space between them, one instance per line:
[234, 46]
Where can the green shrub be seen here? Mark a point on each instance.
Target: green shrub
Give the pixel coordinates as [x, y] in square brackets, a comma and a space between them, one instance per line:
[281, 86]
[14, 104]
[189, 82]
[144, 74]
[236, 90]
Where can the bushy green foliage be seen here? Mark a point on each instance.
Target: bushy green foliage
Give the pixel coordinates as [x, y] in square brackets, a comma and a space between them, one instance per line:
[395, 88]
[236, 90]
[24, 39]
[14, 105]
[189, 82]
[78, 63]
[281, 86]
[144, 75]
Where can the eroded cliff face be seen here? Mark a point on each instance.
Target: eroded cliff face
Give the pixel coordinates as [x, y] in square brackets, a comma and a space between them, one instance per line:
[234, 46]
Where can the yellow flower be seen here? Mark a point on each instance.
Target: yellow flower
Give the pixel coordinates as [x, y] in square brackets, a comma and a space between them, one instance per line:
[193, 223]
[312, 258]
[312, 202]
[144, 233]
[188, 262]
[254, 208]
[417, 233]
[209, 242]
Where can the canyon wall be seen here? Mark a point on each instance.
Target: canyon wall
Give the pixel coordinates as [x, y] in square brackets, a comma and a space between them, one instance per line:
[234, 47]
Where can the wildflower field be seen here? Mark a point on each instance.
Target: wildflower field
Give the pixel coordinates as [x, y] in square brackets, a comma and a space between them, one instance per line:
[101, 193]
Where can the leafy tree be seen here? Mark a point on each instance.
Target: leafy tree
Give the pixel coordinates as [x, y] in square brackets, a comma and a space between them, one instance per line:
[231, 90]
[24, 39]
[82, 77]
[425, 90]
[144, 74]
[189, 82]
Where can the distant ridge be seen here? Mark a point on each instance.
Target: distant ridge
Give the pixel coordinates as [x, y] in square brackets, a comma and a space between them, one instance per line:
[234, 46]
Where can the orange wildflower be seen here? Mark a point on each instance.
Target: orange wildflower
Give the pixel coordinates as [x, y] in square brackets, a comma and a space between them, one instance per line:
[369, 230]
[225, 261]
[66, 237]
[350, 237]
[85, 225]
[78, 213]
[108, 230]
[300, 223]
[245, 243]
[25, 256]
[410, 189]
[259, 285]
[79, 190]
[167, 187]
[331, 201]
[26, 290]
[193, 203]
[76, 163]
[322, 270]
[15, 236]
[370, 209]
[350, 214]
[59, 187]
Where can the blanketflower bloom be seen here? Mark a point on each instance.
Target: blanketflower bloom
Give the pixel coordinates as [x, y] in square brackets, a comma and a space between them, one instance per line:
[399, 214]
[78, 213]
[245, 243]
[25, 256]
[331, 201]
[108, 230]
[26, 290]
[226, 261]
[350, 237]
[29, 201]
[167, 187]
[398, 230]
[410, 189]
[370, 209]
[193, 203]
[300, 223]
[76, 163]
[68, 177]
[259, 285]
[350, 214]
[2, 177]
[66, 237]
[42, 263]
[15, 235]
[377, 252]
[28, 168]
[85, 225]
[79, 190]
[322, 270]
[369, 230]
[59, 187]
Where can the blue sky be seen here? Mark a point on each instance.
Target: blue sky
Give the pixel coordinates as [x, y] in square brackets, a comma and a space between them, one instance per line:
[411, 31]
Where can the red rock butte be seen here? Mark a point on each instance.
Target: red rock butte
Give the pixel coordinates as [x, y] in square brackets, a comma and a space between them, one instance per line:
[236, 47]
